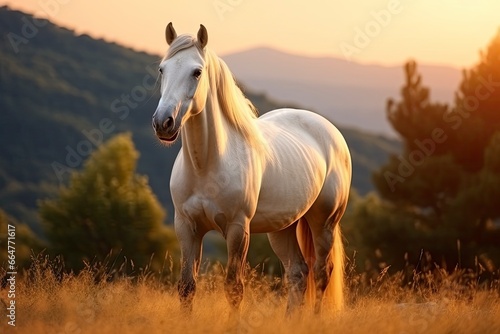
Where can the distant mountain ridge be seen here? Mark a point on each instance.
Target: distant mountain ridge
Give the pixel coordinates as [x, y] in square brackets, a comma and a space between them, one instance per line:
[348, 93]
[61, 88]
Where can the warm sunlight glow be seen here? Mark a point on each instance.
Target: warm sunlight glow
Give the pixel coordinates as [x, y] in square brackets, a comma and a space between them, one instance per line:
[250, 166]
[380, 31]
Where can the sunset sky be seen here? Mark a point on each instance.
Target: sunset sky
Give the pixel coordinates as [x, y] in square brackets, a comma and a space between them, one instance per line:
[371, 31]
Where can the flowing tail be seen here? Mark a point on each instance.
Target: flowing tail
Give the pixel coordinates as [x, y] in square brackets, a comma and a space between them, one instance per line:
[334, 294]
[335, 290]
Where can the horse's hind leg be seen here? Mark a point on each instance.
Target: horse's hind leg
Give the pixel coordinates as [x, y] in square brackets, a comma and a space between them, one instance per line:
[323, 244]
[286, 247]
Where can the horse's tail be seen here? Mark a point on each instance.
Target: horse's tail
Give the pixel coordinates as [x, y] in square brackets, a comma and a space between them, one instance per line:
[334, 294]
[335, 289]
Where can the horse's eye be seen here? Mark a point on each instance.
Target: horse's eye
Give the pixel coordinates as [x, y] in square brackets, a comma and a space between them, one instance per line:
[197, 73]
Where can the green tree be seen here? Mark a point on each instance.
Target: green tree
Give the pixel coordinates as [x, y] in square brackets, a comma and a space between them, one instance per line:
[476, 116]
[108, 208]
[421, 125]
[447, 178]
[383, 234]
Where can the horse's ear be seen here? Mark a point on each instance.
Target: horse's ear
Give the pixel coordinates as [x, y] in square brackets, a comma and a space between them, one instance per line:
[170, 33]
[202, 36]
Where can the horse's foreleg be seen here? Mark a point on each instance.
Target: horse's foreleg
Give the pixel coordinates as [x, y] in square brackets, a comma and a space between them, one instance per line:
[238, 238]
[190, 244]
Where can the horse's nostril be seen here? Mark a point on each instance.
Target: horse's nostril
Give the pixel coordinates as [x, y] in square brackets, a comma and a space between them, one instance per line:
[168, 124]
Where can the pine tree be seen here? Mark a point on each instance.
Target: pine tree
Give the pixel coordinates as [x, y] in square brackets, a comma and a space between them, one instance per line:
[448, 175]
[108, 208]
[405, 179]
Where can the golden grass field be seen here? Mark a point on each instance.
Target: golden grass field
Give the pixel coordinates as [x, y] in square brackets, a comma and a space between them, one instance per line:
[49, 302]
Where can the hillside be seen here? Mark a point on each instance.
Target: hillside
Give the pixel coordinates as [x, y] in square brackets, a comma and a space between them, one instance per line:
[62, 94]
[349, 93]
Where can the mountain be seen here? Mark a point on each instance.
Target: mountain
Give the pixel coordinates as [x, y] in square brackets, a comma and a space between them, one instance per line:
[61, 95]
[348, 93]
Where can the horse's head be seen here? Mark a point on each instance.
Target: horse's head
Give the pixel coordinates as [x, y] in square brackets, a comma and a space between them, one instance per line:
[184, 85]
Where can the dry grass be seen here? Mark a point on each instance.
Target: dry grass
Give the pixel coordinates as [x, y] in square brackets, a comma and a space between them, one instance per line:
[436, 302]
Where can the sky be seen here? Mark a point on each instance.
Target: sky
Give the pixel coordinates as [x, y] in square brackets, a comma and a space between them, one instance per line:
[386, 32]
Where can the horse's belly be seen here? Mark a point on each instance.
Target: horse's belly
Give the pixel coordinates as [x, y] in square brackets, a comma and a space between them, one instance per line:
[265, 222]
[286, 199]
[288, 192]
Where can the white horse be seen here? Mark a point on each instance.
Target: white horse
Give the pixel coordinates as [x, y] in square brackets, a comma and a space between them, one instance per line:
[286, 174]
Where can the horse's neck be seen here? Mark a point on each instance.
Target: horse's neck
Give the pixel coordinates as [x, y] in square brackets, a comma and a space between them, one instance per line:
[204, 137]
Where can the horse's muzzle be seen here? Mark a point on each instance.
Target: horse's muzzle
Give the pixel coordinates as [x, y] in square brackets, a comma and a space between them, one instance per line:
[165, 129]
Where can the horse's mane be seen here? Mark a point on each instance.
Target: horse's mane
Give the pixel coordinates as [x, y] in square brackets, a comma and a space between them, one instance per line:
[180, 43]
[239, 112]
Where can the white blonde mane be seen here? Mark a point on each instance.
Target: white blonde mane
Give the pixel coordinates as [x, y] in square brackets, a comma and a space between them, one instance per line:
[238, 111]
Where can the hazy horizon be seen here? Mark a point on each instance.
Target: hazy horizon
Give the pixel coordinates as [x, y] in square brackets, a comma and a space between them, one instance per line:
[386, 33]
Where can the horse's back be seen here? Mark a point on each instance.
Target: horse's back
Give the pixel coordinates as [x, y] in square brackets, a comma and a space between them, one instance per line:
[307, 128]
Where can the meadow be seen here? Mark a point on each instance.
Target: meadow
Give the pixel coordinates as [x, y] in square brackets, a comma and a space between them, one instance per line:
[100, 301]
